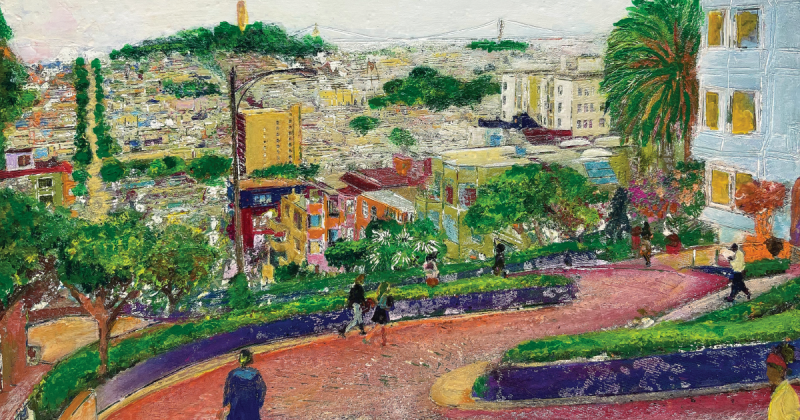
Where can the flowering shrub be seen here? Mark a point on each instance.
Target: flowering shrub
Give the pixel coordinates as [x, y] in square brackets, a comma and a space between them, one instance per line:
[676, 193]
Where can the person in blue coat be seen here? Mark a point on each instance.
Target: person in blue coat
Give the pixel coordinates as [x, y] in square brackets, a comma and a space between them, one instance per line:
[244, 390]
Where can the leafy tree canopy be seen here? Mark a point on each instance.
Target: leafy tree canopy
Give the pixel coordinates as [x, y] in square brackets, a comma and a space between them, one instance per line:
[31, 233]
[363, 124]
[402, 138]
[190, 88]
[113, 170]
[210, 167]
[256, 38]
[491, 45]
[287, 171]
[425, 86]
[551, 196]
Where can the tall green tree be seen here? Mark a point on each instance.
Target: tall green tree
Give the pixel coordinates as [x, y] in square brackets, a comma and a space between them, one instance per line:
[650, 78]
[536, 196]
[182, 260]
[106, 266]
[83, 152]
[13, 77]
[30, 239]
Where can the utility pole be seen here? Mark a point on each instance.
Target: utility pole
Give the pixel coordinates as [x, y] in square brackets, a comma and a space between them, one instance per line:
[237, 210]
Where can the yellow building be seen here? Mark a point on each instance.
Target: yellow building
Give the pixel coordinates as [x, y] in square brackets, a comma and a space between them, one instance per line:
[270, 137]
[452, 189]
[340, 97]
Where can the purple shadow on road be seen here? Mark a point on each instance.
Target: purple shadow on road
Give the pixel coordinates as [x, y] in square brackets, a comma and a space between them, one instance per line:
[153, 369]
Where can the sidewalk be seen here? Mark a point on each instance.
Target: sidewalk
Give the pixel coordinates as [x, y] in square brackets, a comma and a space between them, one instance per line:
[334, 378]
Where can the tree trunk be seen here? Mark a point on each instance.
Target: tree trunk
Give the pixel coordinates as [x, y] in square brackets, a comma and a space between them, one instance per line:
[14, 344]
[104, 328]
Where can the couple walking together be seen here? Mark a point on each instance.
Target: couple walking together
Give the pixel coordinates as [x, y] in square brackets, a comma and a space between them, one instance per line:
[359, 304]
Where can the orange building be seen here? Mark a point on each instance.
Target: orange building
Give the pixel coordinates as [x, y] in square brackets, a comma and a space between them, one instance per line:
[269, 137]
[383, 205]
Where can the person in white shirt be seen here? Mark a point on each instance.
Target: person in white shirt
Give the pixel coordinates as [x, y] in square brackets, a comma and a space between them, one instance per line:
[737, 282]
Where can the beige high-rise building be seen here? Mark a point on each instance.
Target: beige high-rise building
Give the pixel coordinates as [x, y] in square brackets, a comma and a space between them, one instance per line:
[269, 137]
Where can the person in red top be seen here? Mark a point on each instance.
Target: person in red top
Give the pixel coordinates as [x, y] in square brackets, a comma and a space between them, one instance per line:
[777, 364]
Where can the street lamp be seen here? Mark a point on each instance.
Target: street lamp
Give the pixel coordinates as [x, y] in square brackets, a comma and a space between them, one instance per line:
[244, 87]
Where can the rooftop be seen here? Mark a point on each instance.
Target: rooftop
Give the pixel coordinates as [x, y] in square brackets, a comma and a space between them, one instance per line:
[248, 184]
[484, 156]
[391, 199]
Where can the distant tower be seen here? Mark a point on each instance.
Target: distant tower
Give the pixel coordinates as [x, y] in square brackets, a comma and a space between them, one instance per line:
[241, 14]
[315, 32]
[500, 26]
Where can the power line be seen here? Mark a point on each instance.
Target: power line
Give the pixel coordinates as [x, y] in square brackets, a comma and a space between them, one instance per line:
[533, 26]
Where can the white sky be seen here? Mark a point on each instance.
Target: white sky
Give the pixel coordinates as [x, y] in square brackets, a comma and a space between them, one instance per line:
[49, 29]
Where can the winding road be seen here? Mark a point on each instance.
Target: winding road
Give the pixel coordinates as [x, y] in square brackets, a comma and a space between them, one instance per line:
[332, 378]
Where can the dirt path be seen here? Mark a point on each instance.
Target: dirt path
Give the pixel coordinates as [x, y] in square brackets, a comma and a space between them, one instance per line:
[97, 205]
[334, 378]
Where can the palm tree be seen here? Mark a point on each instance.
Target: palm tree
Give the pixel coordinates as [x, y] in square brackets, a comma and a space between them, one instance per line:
[650, 78]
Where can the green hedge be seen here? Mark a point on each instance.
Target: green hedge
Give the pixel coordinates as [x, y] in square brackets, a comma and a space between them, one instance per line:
[771, 316]
[764, 268]
[77, 373]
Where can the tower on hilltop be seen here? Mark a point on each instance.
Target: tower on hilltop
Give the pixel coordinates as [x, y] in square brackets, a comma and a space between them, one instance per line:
[241, 15]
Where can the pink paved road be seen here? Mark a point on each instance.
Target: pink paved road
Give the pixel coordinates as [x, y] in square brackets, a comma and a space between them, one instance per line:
[335, 378]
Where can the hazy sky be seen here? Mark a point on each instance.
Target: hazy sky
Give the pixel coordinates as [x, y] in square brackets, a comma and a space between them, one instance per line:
[49, 29]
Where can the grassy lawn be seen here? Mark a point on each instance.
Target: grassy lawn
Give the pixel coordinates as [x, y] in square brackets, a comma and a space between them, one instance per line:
[77, 373]
[772, 316]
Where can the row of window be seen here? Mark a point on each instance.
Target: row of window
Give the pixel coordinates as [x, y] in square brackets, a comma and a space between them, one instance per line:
[580, 91]
[742, 112]
[586, 107]
[585, 123]
[736, 28]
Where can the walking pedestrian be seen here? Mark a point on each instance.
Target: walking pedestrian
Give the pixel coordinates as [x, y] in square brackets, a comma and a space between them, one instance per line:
[431, 271]
[737, 282]
[784, 404]
[381, 315]
[499, 260]
[244, 391]
[355, 301]
[646, 249]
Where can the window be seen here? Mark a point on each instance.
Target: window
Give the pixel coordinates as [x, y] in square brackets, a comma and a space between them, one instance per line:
[586, 92]
[712, 111]
[23, 160]
[743, 112]
[720, 187]
[747, 28]
[450, 228]
[741, 179]
[45, 182]
[579, 92]
[297, 245]
[315, 220]
[433, 216]
[298, 220]
[333, 235]
[591, 107]
[590, 123]
[559, 107]
[505, 87]
[559, 122]
[448, 194]
[504, 99]
[261, 199]
[716, 25]
[602, 122]
[579, 107]
[560, 90]
[364, 209]
[466, 195]
[314, 247]
[374, 212]
[47, 199]
[585, 123]
[578, 125]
